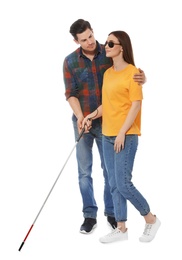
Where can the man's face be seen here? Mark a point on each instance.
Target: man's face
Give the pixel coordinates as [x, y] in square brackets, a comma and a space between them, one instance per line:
[87, 40]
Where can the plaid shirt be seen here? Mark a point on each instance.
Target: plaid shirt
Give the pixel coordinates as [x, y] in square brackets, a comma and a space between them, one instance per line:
[83, 77]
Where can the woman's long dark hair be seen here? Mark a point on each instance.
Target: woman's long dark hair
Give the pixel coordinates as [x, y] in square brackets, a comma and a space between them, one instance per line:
[125, 42]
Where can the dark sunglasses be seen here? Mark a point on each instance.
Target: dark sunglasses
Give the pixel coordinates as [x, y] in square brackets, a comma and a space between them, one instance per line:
[111, 44]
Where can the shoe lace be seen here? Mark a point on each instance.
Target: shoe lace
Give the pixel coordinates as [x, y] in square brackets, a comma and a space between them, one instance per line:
[88, 221]
[147, 229]
[115, 231]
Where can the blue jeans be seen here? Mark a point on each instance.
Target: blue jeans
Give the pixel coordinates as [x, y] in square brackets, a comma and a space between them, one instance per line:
[119, 167]
[85, 161]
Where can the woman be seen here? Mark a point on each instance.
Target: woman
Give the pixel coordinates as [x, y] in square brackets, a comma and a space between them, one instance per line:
[121, 126]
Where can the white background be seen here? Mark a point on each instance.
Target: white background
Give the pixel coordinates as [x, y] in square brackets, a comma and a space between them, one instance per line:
[36, 135]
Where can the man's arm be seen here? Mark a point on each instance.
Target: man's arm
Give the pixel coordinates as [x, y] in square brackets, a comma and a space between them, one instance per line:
[140, 77]
[75, 105]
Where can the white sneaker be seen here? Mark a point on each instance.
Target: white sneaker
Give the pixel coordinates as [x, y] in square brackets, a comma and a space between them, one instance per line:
[150, 231]
[115, 235]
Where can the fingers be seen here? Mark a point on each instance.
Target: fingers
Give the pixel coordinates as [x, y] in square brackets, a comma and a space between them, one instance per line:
[140, 78]
[118, 147]
[140, 70]
[87, 124]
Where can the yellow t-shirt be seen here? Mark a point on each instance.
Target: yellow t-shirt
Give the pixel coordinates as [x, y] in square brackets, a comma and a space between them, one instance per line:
[118, 91]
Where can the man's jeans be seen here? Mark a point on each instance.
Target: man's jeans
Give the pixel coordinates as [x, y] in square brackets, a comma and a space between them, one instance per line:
[84, 157]
[119, 167]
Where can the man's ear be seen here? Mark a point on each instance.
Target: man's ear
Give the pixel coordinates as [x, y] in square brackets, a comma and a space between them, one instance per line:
[76, 41]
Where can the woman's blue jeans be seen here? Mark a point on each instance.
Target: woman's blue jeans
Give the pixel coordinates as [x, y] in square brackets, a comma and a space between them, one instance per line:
[119, 167]
[84, 157]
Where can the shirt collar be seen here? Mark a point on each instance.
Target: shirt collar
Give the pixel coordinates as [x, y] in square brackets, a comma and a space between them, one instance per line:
[97, 52]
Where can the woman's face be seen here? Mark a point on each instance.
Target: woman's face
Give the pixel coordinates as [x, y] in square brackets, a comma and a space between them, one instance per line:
[112, 46]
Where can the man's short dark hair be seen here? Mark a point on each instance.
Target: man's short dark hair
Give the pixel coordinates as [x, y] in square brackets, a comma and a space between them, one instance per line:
[79, 26]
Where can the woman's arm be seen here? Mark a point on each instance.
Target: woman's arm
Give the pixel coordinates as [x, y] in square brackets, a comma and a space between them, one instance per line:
[119, 141]
[87, 121]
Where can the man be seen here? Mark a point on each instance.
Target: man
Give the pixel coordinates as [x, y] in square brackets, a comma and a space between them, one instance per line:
[83, 72]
